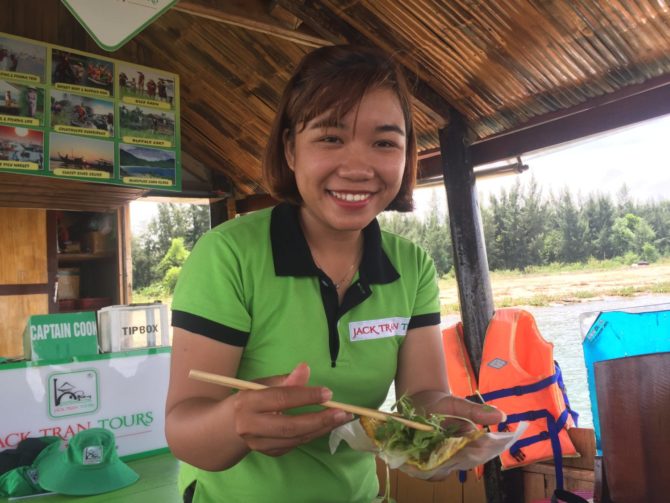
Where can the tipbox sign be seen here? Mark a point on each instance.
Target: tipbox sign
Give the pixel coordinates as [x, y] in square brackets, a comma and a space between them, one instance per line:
[124, 393]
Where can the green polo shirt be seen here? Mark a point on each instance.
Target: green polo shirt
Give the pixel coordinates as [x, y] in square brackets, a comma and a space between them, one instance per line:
[252, 282]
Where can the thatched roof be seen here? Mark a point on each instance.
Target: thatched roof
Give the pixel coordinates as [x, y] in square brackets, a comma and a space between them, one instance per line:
[523, 74]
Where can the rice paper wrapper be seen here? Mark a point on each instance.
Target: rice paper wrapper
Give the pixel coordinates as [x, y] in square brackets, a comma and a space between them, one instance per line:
[475, 453]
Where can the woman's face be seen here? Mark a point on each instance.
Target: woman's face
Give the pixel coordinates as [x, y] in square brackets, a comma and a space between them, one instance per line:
[348, 172]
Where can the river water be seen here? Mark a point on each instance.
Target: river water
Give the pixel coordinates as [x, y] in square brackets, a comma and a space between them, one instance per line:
[560, 325]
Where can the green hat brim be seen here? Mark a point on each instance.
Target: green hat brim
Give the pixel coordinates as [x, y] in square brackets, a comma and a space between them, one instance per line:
[56, 474]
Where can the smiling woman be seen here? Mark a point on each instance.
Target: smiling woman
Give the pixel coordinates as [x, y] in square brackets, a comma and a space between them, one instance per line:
[278, 295]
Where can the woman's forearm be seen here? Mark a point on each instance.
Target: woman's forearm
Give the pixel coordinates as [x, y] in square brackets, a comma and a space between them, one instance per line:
[201, 432]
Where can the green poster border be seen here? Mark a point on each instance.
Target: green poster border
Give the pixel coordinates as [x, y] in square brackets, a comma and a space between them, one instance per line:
[46, 129]
[112, 48]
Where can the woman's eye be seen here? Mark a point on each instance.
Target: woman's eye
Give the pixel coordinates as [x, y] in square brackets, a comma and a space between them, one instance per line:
[386, 143]
[329, 139]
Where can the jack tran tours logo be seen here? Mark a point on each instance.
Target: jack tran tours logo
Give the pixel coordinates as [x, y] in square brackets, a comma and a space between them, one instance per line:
[378, 329]
[73, 393]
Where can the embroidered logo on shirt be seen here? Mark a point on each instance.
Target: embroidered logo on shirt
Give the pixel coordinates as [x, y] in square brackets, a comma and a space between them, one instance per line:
[377, 329]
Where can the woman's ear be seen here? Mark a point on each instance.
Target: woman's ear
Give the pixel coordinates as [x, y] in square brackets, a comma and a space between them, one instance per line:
[289, 149]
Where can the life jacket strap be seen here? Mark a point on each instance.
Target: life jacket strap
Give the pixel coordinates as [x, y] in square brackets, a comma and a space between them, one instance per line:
[567, 497]
[525, 442]
[554, 426]
[561, 386]
[521, 390]
[530, 415]
[557, 378]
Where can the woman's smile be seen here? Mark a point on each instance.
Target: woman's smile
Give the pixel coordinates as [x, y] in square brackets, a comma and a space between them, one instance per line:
[350, 197]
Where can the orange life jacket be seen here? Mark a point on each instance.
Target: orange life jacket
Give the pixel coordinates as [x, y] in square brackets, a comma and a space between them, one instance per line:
[461, 377]
[519, 376]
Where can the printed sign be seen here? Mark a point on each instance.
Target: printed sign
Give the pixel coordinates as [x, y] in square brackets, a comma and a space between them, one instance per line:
[60, 335]
[123, 392]
[71, 114]
[112, 23]
[73, 393]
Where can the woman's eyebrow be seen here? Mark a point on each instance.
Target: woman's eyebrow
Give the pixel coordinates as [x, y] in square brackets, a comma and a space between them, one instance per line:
[392, 128]
[327, 122]
[332, 122]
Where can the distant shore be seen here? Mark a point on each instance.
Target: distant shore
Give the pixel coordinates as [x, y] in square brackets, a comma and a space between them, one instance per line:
[566, 286]
[546, 288]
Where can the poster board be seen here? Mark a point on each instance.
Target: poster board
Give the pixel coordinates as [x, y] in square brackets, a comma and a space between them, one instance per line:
[75, 115]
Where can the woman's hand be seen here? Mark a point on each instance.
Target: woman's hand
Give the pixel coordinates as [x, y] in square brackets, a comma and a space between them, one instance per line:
[454, 406]
[213, 428]
[479, 414]
[259, 418]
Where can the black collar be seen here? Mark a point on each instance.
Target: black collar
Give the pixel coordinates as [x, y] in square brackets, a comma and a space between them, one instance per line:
[292, 256]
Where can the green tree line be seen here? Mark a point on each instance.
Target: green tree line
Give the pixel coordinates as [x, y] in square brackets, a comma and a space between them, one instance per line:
[522, 228]
[161, 249]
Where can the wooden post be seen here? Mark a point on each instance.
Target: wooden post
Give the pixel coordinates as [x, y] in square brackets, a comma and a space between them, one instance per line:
[470, 262]
[472, 276]
[124, 260]
[218, 211]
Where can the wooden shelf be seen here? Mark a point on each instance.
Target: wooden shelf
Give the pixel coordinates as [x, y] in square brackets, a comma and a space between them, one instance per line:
[67, 258]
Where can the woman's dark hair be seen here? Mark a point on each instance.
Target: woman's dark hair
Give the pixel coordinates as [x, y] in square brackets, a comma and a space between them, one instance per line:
[336, 78]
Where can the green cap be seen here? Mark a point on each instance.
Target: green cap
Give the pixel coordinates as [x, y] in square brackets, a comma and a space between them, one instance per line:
[22, 480]
[89, 465]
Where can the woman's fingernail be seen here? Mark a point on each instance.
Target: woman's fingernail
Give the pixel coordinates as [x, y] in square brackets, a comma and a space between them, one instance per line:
[342, 417]
[326, 394]
[488, 408]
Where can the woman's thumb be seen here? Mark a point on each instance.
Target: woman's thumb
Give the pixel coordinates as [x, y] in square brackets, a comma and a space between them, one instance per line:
[299, 376]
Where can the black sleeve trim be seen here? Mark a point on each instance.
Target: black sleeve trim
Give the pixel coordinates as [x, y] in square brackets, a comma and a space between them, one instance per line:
[209, 328]
[424, 320]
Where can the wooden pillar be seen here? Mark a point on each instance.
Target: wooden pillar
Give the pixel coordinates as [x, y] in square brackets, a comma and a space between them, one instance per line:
[470, 262]
[472, 276]
[125, 258]
[218, 211]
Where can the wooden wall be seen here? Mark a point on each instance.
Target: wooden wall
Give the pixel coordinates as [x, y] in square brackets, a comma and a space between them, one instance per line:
[405, 489]
[23, 246]
[540, 479]
[23, 274]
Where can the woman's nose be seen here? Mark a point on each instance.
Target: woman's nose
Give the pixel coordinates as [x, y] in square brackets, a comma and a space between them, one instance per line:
[357, 164]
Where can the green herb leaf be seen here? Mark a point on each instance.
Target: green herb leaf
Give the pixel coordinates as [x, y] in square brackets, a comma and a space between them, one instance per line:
[396, 437]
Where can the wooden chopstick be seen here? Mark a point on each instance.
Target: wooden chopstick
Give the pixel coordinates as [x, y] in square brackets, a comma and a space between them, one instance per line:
[232, 382]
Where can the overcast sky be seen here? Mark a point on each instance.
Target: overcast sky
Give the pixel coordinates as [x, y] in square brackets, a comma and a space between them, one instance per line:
[638, 156]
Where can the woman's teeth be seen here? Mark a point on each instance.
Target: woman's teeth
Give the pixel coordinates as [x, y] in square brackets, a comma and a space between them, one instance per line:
[345, 196]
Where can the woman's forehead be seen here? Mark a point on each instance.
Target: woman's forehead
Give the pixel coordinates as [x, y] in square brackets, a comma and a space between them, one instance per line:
[337, 112]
